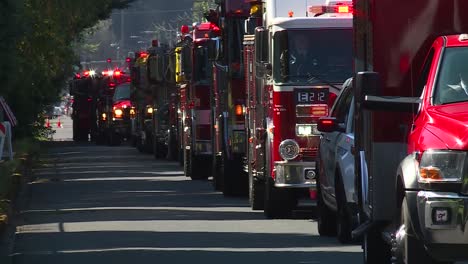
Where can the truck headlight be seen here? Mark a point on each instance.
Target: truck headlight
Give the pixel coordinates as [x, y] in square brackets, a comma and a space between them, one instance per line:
[441, 166]
[307, 130]
[118, 113]
[149, 110]
[289, 149]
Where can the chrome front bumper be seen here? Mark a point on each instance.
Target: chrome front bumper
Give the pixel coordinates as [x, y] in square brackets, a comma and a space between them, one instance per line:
[295, 174]
[443, 217]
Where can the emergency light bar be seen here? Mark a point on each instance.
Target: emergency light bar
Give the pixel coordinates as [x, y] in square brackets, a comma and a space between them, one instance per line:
[339, 8]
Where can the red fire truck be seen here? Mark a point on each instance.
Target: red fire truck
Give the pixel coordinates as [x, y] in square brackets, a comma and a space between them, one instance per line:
[142, 103]
[410, 130]
[155, 101]
[296, 65]
[196, 100]
[228, 98]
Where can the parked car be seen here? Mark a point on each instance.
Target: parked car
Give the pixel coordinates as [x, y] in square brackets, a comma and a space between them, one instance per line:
[336, 197]
[57, 111]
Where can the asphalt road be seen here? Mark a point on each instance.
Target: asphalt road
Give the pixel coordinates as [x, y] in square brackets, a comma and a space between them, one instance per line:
[96, 204]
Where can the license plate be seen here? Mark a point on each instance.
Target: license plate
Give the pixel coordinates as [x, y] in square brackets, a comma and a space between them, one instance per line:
[311, 96]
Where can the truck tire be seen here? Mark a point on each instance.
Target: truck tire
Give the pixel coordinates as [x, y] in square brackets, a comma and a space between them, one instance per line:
[199, 167]
[216, 172]
[234, 178]
[326, 220]
[343, 215]
[406, 248]
[256, 192]
[83, 136]
[75, 132]
[279, 203]
[148, 143]
[186, 162]
[100, 140]
[139, 144]
[173, 153]
[159, 151]
[114, 139]
[374, 247]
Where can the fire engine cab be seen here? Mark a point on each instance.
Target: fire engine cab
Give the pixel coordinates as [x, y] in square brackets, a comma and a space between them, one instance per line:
[299, 58]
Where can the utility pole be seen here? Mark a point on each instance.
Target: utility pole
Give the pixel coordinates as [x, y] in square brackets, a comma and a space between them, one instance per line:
[122, 38]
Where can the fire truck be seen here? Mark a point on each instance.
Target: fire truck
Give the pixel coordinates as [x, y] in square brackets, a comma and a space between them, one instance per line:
[287, 94]
[142, 103]
[160, 74]
[113, 107]
[195, 99]
[83, 88]
[228, 98]
[410, 130]
[155, 101]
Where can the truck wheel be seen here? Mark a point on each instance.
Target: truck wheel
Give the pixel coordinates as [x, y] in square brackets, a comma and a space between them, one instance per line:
[139, 144]
[75, 131]
[374, 247]
[234, 178]
[115, 139]
[216, 172]
[187, 168]
[118, 139]
[326, 221]
[148, 144]
[198, 167]
[343, 215]
[83, 136]
[279, 203]
[406, 248]
[99, 139]
[172, 148]
[158, 150]
[256, 192]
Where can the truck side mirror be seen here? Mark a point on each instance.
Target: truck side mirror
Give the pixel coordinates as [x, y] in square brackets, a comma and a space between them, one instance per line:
[368, 94]
[261, 45]
[367, 83]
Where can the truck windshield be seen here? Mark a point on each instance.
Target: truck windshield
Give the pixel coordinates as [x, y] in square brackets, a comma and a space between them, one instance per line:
[452, 82]
[201, 70]
[305, 56]
[122, 92]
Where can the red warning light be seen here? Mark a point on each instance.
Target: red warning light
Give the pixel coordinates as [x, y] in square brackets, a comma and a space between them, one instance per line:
[128, 59]
[109, 60]
[184, 29]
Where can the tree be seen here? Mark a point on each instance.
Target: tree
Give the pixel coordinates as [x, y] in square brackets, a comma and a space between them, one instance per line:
[200, 7]
[37, 50]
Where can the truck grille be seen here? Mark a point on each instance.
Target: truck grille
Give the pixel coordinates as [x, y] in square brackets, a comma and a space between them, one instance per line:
[309, 154]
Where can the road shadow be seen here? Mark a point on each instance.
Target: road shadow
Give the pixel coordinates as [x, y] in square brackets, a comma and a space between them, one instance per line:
[143, 256]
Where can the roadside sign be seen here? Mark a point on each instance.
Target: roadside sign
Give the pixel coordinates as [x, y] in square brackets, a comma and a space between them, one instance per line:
[2, 130]
[5, 140]
[9, 114]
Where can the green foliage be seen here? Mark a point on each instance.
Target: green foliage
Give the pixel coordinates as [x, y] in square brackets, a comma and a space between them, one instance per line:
[200, 7]
[37, 51]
